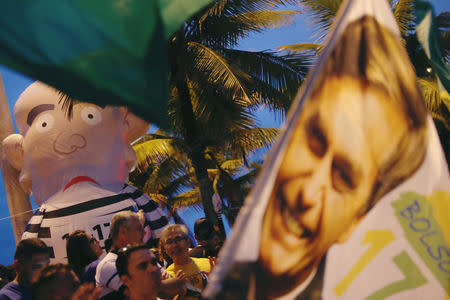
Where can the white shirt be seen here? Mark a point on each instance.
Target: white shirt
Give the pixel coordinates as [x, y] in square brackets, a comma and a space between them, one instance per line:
[106, 275]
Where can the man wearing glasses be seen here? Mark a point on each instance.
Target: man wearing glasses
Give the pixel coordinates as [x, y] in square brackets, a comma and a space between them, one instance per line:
[138, 270]
[175, 241]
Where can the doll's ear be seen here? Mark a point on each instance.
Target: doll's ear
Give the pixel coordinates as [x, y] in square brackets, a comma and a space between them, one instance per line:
[13, 148]
[137, 127]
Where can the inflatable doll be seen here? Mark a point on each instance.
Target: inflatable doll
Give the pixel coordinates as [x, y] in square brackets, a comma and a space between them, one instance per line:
[76, 167]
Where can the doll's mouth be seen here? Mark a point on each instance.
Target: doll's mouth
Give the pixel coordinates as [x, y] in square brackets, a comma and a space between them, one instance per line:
[79, 179]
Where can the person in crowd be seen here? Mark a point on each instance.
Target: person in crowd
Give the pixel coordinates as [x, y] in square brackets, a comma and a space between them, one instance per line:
[7, 274]
[30, 256]
[59, 282]
[138, 270]
[362, 131]
[161, 262]
[83, 253]
[175, 242]
[163, 255]
[208, 239]
[126, 228]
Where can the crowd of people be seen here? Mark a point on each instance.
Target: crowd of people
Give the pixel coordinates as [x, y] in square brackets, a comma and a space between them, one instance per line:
[129, 269]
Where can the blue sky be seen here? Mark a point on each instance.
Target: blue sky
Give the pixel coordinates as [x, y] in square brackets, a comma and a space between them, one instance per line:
[15, 83]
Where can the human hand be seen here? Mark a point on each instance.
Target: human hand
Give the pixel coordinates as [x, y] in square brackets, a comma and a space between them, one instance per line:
[180, 275]
[165, 275]
[172, 287]
[212, 262]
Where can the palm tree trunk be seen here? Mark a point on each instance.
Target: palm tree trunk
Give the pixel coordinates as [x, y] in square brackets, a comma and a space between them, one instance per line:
[18, 202]
[191, 133]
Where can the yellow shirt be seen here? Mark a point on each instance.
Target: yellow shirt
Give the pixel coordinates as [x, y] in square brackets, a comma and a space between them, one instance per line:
[192, 271]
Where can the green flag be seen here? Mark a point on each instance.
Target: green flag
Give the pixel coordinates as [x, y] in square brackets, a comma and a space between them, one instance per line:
[104, 52]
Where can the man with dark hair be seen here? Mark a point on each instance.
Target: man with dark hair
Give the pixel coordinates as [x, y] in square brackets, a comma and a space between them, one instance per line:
[208, 239]
[59, 282]
[30, 256]
[7, 274]
[55, 282]
[138, 270]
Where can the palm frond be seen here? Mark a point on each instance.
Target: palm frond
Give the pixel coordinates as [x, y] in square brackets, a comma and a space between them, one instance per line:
[217, 67]
[404, 15]
[321, 14]
[226, 30]
[275, 78]
[266, 19]
[153, 150]
[233, 7]
[301, 47]
[189, 198]
[164, 174]
[158, 198]
[248, 141]
[430, 91]
[179, 184]
[218, 116]
[232, 165]
[215, 9]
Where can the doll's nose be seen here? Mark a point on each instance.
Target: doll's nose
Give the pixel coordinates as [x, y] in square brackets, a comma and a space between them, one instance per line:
[67, 144]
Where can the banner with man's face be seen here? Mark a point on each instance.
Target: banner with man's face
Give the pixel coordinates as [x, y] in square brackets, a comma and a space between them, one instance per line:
[354, 201]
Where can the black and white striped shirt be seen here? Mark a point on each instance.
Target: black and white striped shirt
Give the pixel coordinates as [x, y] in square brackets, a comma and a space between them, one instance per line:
[54, 222]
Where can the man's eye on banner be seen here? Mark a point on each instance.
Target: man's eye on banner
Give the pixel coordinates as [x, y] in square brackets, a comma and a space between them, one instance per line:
[337, 179]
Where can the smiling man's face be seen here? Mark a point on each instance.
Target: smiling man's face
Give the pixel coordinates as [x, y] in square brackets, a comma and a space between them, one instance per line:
[325, 179]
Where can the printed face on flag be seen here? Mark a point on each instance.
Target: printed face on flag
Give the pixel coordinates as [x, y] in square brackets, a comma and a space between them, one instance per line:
[346, 150]
[327, 175]
[358, 131]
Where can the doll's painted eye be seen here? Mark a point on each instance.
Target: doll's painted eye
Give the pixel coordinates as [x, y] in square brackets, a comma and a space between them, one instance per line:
[44, 122]
[91, 115]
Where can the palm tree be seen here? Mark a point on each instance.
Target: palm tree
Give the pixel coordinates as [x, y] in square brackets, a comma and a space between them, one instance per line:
[165, 172]
[215, 89]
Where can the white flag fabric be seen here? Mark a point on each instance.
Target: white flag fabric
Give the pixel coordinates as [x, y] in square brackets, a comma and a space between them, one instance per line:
[354, 200]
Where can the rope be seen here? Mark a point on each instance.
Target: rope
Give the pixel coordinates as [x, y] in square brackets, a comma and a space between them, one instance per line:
[10, 217]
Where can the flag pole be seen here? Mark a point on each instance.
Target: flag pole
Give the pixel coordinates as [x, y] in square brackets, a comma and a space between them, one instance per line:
[18, 202]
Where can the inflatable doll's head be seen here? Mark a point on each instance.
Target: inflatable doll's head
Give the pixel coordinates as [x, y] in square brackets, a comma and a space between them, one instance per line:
[54, 151]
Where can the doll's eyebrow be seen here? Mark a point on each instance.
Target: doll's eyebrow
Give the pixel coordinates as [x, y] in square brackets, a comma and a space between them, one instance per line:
[37, 110]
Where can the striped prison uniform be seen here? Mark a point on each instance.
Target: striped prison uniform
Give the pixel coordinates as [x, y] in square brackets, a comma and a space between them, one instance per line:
[53, 225]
